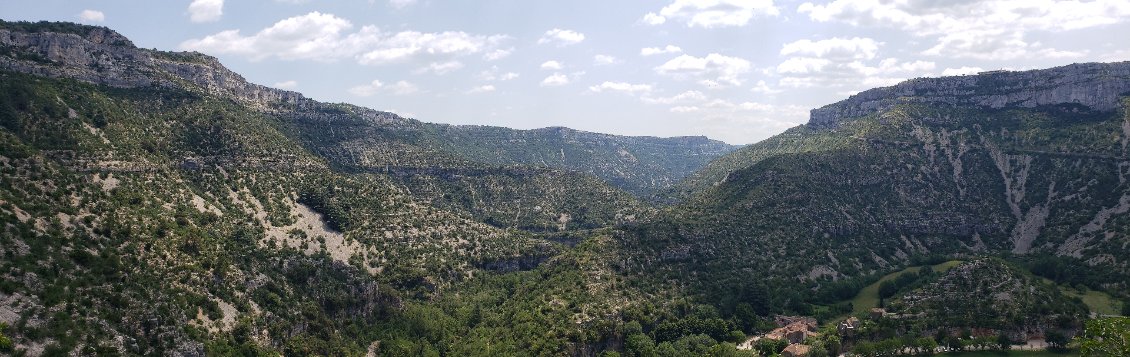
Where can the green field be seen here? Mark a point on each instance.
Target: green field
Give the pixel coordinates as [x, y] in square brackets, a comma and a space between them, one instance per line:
[1097, 301]
[868, 297]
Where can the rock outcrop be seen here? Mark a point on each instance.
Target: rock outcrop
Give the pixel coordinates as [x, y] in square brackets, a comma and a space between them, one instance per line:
[102, 56]
[1097, 86]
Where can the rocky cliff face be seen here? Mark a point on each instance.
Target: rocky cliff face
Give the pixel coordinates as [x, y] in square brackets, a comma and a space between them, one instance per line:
[1095, 85]
[101, 56]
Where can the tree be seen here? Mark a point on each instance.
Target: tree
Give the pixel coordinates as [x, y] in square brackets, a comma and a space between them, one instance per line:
[640, 345]
[1106, 337]
[769, 347]
[1056, 339]
[927, 345]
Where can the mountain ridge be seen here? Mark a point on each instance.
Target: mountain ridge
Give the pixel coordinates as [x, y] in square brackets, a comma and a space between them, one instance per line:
[101, 56]
[1098, 86]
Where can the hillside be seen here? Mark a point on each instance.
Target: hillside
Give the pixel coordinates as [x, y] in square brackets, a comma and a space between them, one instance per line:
[932, 176]
[987, 294]
[156, 203]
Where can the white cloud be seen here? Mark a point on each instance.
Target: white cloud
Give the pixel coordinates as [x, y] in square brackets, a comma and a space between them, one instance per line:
[721, 69]
[562, 37]
[481, 89]
[555, 80]
[326, 37]
[691, 96]
[407, 44]
[649, 51]
[622, 87]
[652, 18]
[803, 65]
[376, 86]
[763, 88]
[286, 84]
[838, 48]
[845, 63]
[440, 68]
[92, 16]
[804, 72]
[404, 88]
[205, 10]
[551, 65]
[400, 4]
[605, 60]
[684, 109]
[994, 30]
[494, 74]
[712, 13]
[498, 54]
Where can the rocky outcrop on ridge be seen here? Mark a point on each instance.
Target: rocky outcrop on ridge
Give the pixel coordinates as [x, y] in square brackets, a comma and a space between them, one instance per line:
[1097, 86]
[102, 56]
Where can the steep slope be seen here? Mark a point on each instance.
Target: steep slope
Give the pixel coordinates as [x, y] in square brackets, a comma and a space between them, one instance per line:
[179, 203]
[931, 175]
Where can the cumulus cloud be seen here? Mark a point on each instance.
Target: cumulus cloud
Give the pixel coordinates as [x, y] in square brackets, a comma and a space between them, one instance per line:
[605, 60]
[481, 89]
[651, 51]
[691, 96]
[440, 68]
[92, 16]
[376, 87]
[326, 37]
[205, 10]
[856, 75]
[715, 68]
[555, 80]
[840, 48]
[845, 63]
[712, 13]
[562, 37]
[652, 18]
[994, 30]
[763, 88]
[552, 65]
[622, 87]
[495, 74]
[286, 84]
[498, 54]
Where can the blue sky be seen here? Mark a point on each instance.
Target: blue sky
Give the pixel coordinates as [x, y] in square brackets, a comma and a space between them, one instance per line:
[733, 70]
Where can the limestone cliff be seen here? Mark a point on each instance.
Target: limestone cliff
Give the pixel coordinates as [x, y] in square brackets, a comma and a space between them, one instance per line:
[102, 56]
[1095, 85]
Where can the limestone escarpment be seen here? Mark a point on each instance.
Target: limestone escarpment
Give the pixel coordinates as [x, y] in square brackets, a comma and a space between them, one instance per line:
[1097, 86]
[101, 56]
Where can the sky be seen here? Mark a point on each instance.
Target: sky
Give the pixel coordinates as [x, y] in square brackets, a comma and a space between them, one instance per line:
[733, 70]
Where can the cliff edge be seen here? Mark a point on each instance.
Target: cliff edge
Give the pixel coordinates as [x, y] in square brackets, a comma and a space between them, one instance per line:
[1095, 85]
